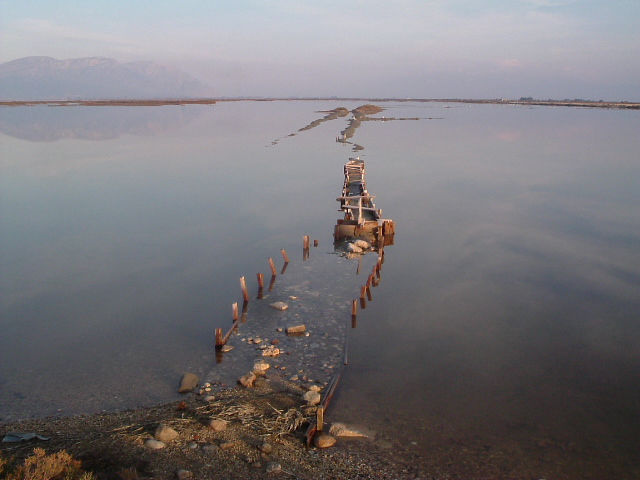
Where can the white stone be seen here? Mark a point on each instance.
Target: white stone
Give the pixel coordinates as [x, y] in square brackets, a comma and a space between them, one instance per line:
[364, 245]
[311, 397]
[279, 306]
[261, 366]
[353, 248]
[154, 444]
[271, 351]
[343, 430]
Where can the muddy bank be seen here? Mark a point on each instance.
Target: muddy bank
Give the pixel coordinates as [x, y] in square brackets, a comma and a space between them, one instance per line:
[257, 439]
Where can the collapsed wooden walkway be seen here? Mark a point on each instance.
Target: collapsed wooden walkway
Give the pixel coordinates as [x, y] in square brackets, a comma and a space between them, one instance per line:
[361, 217]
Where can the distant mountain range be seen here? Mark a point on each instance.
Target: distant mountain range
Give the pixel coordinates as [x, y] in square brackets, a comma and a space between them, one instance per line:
[45, 78]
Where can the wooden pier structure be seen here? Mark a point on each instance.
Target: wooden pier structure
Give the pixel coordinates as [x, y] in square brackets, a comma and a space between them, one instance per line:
[361, 217]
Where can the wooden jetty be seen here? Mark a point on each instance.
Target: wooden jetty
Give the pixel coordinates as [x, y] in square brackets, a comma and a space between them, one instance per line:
[361, 217]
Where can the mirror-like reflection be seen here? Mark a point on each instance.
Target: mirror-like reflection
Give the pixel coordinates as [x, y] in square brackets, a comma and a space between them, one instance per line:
[507, 323]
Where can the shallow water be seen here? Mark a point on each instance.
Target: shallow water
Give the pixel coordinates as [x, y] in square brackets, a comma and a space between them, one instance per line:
[507, 317]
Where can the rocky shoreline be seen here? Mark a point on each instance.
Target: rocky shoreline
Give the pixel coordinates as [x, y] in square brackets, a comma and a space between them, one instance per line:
[236, 433]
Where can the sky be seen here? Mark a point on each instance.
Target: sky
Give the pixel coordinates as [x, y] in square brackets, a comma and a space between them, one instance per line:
[543, 49]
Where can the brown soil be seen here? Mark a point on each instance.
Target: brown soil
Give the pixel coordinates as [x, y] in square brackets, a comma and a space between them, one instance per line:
[111, 445]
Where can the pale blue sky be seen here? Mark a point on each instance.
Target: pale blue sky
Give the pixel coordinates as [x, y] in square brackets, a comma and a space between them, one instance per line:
[402, 48]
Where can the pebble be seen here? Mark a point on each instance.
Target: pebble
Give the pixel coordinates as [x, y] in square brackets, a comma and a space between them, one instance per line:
[342, 430]
[312, 398]
[154, 444]
[165, 433]
[210, 448]
[208, 398]
[226, 348]
[266, 448]
[260, 366]
[296, 329]
[271, 351]
[273, 467]
[217, 425]
[227, 445]
[247, 380]
[184, 474]
[279, 306]
[324, 440]
[188, 382]
[275, 341]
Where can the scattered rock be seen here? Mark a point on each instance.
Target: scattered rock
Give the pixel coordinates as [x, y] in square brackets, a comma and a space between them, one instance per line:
[261, 383]
[353, 248]
[279, 306]
[312, 398]
[226, 348]
[217, 425]
[275, 341]
[164, 433]
[296, 329]
[227, 445]
[184, 474]
[208, 398]
[210, 449]
[273, 467]
[260, 367]
[343, 430]
[324, 440]
[266, 448]
[154, 444]
[363, 244]
[247, 380]
[271, 351]
[188, 382]
[315, 388]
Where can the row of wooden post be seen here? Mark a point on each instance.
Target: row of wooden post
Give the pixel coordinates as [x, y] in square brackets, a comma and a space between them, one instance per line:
[221, 339]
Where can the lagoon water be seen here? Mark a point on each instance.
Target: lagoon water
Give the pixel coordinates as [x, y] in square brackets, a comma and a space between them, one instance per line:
[506, 326]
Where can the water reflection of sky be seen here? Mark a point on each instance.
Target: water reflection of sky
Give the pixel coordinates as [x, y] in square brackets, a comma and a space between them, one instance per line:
[510, 295]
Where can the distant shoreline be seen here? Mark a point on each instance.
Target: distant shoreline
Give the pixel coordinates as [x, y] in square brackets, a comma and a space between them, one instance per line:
[212, 101]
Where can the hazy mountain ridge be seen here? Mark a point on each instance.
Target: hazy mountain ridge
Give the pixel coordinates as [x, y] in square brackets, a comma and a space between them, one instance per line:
[35, 78]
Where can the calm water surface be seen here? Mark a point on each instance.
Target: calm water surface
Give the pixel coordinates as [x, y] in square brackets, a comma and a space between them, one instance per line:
[506, 325]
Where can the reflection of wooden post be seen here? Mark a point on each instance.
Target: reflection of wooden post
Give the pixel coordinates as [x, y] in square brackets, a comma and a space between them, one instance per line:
[363, 293]
[285, 256]
[260, 285]
[354, 312]
[219, 342]
[272, 283]
[245, 309]
[245, 292]
[273, 267]
[368, 288]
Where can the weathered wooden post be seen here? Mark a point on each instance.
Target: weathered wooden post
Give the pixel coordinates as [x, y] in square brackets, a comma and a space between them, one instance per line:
[234, 309]
[285, 256]
[245, 292]
[273, 267]
[320, 418]
[316, 243]
[219, 342]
